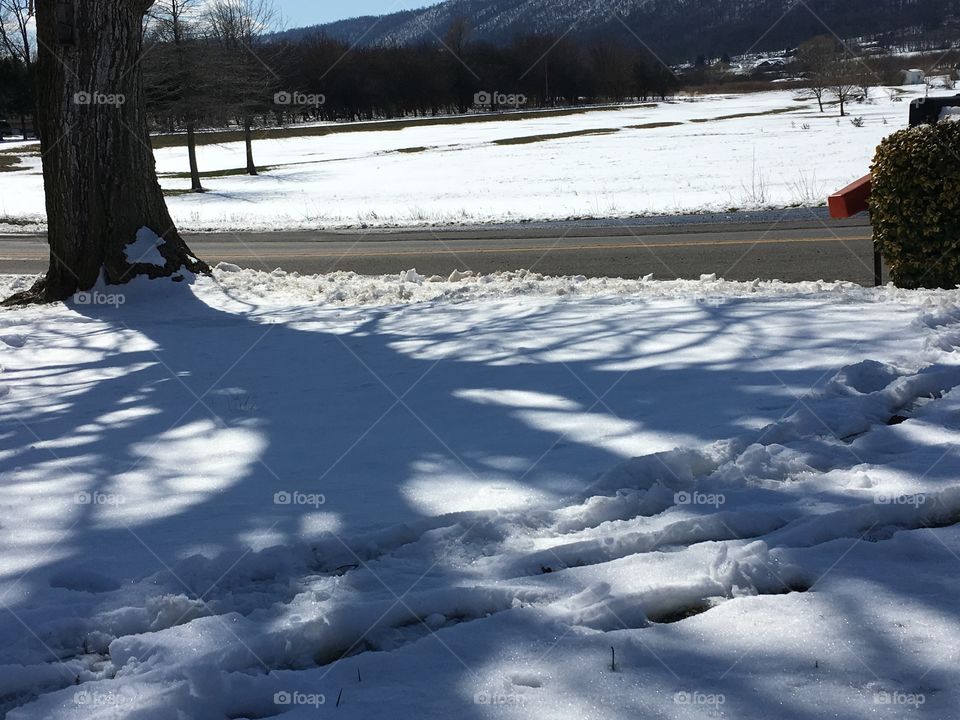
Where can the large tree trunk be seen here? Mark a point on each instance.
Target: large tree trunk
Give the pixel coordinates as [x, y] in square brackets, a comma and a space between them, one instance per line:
[99, 173]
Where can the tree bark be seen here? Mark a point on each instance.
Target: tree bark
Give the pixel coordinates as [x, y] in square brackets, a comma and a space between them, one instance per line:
[99, 172]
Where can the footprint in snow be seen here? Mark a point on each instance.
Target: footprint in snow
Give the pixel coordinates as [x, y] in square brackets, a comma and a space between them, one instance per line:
[14, 341]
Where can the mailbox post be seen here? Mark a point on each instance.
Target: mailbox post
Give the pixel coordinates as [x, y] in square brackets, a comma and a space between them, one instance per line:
[853, 200]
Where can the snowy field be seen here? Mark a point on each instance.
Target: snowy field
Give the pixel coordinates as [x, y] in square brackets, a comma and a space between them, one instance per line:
[432, 498]
[710, 153]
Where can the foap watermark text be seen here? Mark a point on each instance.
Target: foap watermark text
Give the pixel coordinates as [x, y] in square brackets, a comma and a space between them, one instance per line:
[94, 297]
[299, 99]
[299, 499]
[498, 99]
[99, 98]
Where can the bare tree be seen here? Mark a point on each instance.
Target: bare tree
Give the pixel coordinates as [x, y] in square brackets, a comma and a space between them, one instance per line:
[829, 72]
[16, 18]
[817, 57]
[99, 173]
[843, 85]
[238, 26]
[178, 70]
[863, 75]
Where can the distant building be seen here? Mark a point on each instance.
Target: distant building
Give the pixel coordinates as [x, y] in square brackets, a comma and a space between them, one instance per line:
[913, 77]
[770, 64]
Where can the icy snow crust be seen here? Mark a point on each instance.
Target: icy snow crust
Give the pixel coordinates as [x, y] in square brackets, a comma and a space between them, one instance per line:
[452, 497]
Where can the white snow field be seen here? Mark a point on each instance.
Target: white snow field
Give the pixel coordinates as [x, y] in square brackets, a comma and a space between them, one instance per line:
[716, 152]
[261, 495]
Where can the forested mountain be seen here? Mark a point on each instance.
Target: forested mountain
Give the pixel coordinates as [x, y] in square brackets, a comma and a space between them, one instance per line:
[678, 29]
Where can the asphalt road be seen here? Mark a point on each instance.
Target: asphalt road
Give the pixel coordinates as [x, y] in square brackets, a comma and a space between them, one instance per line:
[813, 248]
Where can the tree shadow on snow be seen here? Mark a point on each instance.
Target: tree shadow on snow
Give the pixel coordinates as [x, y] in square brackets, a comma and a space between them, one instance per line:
[183, 432]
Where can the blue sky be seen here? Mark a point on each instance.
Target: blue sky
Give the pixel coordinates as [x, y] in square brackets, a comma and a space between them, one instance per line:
[298, 13]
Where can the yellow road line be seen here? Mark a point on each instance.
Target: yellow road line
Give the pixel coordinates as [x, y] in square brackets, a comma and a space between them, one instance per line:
[558, 248]
[639, 245]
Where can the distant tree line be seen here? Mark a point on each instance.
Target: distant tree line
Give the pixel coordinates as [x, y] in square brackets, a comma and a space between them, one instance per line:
[191, 81]
[533, 71]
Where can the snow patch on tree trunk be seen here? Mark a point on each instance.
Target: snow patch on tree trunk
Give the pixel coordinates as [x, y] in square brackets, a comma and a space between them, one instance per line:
[145, 249]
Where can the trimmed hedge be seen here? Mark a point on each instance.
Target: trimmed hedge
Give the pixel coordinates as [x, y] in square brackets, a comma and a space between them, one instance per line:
[915, 205]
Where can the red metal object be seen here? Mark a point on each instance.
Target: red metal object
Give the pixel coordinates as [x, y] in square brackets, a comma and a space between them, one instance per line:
[851, 200]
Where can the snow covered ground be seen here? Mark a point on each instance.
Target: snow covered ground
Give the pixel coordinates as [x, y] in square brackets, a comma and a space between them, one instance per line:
[708, 153]
[263, 495]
